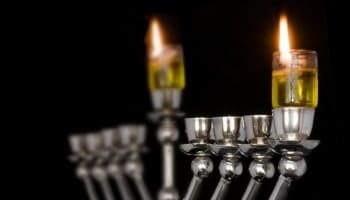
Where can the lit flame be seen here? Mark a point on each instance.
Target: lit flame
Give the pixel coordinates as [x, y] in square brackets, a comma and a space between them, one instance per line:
[284, 39]
[156, 39]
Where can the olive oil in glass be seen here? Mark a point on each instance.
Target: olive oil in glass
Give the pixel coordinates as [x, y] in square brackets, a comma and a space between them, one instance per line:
[295, 81]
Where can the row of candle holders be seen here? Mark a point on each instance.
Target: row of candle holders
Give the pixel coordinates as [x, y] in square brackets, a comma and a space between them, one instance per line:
[257, 136]
[115, 153]
[111, 154]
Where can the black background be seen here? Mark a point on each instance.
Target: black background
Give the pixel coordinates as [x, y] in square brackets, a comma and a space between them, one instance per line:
[95, 59]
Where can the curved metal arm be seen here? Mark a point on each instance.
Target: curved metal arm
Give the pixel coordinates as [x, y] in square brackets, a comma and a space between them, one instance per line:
[221, 189]
[134, 169]
[193, 188]
[252, 190]
[123, 187]
[141, 187]
[89, 188]
[106, 188]
[281, 189]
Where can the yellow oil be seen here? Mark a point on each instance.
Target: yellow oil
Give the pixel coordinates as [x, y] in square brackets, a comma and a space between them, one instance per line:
[295, 87]
[167, 76]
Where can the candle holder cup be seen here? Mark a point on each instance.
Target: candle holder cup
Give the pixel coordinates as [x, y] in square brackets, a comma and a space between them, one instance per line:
[258, 132]
[228, 138]
[197, 130]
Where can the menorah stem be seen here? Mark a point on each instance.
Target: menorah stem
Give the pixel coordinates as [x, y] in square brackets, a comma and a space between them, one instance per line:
[252, 190]
[168, 165]
[193, 188]
[167, 135]
[281, 189]
[221, 189]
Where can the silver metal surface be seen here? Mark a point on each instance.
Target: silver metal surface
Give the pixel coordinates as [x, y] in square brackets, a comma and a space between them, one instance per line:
[302, 147]
[293, 123]
[106, 189]
[229, 168]
[257, 128]
[79, 150]
[292, 168]
[77, 143]
[193, 148]
[83, 174]
[115, 171]
[221, 190]
[197, 129]
[228, 136]
[166, 103]
[166, 99]
[111, 141]
[167, 134]
[227, 129]
[168, 167]
[134, 169]
[89, 188]
[201, 167]
[132, 134]
[225, 149]
[281, 189]
[252, 190]
[193, 188]
[93, 142]
[168, 194]
[260, 170]
[142, 189]
[123, 187]
[167, 131]
[110, 138]
[100, 175]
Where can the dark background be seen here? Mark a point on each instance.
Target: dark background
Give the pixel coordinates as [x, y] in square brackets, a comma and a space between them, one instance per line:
[96, 56]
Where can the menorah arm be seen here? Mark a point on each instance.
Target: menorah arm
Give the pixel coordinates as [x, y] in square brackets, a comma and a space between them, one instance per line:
[123, 187]
[221, 189]
[193, 188]
[106, 189]
[141, 187]
[281, 189]
[252, 190]
[89, 188]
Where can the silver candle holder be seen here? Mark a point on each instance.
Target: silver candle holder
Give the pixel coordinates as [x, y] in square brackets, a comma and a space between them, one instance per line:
[228, 138]
[115, 154]
[258, 132]
[132, 139]
[166, 104]
[98, 169]
[197, 130]
[292, 127]
[84, 161]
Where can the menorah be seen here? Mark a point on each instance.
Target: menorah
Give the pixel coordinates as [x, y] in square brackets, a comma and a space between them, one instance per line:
[115, 153]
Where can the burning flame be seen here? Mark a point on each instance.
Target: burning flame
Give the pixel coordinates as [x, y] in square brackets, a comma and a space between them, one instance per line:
[156, 39]
[284, 39]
